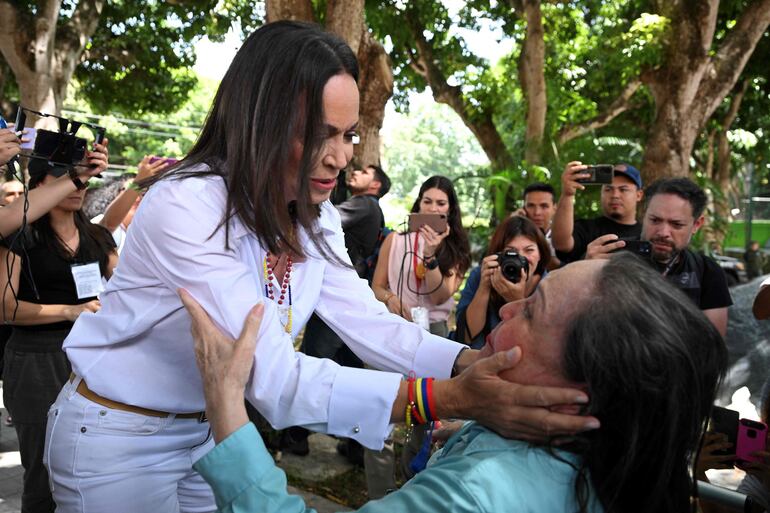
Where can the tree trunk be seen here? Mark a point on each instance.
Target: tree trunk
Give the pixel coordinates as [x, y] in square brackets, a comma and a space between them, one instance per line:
[43, 55]
[297, 10]
[376, 85]
[478, 121]
[695, 78]
[375, 82]
[723, 174]
[532, 76]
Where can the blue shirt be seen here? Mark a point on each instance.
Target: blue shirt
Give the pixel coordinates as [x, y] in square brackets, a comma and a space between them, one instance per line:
[477, 471]
[466, 296]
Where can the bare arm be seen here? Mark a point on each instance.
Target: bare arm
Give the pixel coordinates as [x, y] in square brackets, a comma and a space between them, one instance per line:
[112, 263]
[718, 317]
[120, 206]
[564, 218]
[30, 314]
[441, 287]
[381, 286]
[45, 197]
[476, 313]
[118, 209]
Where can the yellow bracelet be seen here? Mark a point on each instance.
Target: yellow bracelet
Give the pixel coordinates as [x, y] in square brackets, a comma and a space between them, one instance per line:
[387, 297]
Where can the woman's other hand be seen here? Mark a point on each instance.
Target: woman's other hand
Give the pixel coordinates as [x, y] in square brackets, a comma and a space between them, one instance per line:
[146, 168]
[713, 442]
[396, 306]
[224, 364]
[72, 312]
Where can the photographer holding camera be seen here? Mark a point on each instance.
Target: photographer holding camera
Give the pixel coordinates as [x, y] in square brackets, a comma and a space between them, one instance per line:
[618, 201]
[54, 269]
[42, 199]
[515, 263]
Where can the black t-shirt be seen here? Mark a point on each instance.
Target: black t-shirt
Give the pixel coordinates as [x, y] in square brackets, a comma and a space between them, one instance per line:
[362, 221]
[586, 230]
[46, 276]
[701, 279]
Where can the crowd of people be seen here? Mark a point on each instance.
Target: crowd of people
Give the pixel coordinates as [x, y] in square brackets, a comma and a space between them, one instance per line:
[137, 335]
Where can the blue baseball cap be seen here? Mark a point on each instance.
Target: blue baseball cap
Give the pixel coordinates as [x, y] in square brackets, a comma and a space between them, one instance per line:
[631, 172]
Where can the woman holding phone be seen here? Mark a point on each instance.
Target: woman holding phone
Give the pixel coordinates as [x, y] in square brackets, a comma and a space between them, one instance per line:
[244, 218]
[424, 267]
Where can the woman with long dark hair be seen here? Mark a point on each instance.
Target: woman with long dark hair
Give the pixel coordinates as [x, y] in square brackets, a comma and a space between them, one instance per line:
[424, 268]
[487, 289]
[45, 289]
[244, 218]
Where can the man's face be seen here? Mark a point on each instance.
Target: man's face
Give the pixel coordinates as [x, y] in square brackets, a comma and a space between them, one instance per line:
[10, 191]
[360, 180]
[669, 224]
[619, 199]
[538, 324]
[540, 208]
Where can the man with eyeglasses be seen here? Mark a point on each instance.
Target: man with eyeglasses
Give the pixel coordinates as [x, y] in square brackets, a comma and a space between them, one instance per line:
[572, 239]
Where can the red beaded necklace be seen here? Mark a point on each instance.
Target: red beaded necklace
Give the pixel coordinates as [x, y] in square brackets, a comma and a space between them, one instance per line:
[285, 296]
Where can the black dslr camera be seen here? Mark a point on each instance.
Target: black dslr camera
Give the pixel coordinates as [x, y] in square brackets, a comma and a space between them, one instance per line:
[62, 148]
[511, 264]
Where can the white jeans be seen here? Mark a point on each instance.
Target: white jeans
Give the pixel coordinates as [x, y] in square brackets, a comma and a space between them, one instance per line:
[105, 460]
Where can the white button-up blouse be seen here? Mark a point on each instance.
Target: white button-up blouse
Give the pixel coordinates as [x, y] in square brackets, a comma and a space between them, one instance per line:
[138, 348]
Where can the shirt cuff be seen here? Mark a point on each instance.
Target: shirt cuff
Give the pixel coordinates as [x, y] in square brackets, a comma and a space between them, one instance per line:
[360, 405]
[236, 463]
[435, 357]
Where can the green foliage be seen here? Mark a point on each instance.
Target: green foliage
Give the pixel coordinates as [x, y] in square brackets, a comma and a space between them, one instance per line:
[140, 58]
[153, 134]
[431, 140]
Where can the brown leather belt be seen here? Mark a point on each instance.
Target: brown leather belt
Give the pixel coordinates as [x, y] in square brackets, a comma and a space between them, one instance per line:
[115, 405]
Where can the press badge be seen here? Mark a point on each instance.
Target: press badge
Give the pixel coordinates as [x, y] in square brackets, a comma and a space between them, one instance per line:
[88, 280]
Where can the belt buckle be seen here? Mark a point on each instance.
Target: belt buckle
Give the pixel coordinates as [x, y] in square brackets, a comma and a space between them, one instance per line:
[202, 418]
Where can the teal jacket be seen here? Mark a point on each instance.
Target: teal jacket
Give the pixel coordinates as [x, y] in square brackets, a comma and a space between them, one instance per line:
[477, 471]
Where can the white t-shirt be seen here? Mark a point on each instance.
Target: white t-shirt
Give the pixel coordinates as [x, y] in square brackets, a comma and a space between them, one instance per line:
[138, 349]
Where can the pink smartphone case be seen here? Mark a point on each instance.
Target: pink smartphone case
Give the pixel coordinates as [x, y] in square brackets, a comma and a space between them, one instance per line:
[747, 444]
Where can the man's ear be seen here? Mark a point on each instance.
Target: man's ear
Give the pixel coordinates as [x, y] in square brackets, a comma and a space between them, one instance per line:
[698, 223]
[639, 195]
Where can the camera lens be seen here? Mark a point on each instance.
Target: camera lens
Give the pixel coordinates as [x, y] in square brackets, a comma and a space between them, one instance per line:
[751, 433]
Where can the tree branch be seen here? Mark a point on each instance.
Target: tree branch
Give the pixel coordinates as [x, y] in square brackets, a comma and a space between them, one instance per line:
[621, 104]
[14, 43]
[479, 121]
[731, 58]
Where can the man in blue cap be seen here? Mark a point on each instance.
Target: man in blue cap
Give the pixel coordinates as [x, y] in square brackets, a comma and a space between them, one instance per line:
[596, 238]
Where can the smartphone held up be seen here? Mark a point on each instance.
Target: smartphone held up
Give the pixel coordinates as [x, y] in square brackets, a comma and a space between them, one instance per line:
[438, 222]
[599, 174]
